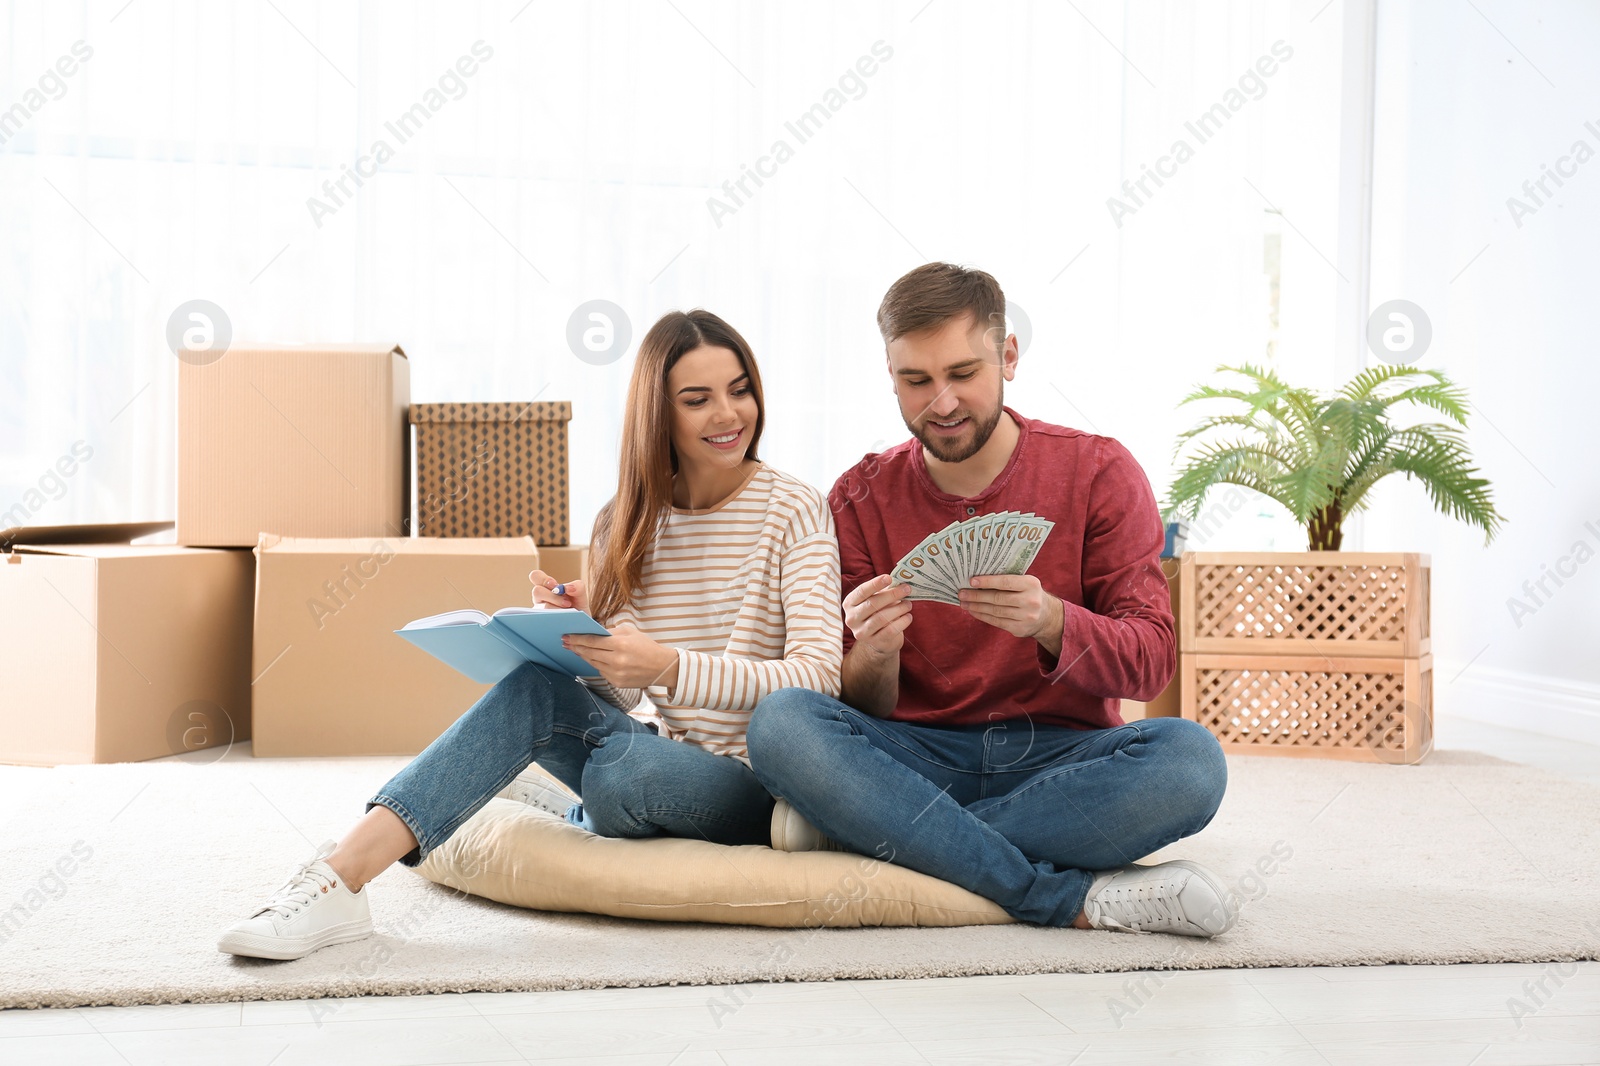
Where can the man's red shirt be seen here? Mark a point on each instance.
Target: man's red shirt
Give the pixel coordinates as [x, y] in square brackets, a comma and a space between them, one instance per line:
[1102, 560]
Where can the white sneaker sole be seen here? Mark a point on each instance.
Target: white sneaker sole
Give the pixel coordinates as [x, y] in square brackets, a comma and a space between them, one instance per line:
[256, 946]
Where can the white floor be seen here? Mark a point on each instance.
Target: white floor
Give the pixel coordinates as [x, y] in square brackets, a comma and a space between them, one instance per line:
[1411, 1015]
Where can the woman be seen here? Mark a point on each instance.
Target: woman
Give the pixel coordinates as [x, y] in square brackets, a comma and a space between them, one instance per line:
[717, 578]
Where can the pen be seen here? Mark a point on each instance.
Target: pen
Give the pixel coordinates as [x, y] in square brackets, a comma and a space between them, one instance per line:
[560, 590]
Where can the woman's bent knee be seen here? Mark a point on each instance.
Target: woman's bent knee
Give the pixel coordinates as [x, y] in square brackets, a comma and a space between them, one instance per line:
[528, 677]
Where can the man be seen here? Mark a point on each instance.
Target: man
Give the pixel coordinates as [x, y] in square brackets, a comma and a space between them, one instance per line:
[981, 743]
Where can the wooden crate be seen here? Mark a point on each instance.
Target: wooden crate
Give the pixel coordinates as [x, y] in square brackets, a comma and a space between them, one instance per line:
[1312, 706]
[1369, 604]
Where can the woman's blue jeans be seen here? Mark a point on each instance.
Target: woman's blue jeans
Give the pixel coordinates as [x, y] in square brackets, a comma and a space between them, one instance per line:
[632, 781]
[1019, 813]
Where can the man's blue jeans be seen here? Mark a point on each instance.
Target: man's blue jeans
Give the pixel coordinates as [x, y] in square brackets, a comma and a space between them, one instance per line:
[1019, 813]
[633, 782]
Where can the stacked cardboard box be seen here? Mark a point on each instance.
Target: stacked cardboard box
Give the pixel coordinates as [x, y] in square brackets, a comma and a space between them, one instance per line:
[301, 454]
[1311, 654]
[293, 567]
[301, 441]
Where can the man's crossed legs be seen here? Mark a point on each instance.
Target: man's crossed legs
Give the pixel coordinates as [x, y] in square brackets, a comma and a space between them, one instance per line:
[1029, 816]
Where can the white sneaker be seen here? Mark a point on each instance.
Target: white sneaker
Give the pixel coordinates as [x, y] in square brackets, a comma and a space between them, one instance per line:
[535, 788]
[791, 832]
[1179, 897]
[312, 910]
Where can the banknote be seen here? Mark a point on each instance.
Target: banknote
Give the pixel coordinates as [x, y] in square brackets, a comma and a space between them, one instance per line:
[1004, 542]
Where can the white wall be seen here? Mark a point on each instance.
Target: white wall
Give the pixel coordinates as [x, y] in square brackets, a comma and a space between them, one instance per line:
[579, 164]
[1470, 106]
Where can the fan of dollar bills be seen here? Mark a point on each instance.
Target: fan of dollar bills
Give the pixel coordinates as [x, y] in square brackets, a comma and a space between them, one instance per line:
[1003, 543]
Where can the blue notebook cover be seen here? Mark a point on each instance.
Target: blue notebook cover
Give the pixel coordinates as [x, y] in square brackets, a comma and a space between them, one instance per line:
[486, 648]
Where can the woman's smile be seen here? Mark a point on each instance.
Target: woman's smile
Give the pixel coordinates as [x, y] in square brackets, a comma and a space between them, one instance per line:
[726, 442]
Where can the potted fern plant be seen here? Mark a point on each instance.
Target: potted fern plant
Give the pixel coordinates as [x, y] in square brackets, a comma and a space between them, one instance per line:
[1323, 653]
[1319, 456]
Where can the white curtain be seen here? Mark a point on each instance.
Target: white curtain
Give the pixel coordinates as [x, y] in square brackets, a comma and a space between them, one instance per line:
[585, 157]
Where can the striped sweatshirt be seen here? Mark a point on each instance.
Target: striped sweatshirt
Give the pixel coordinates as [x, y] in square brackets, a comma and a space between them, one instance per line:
[747, 592]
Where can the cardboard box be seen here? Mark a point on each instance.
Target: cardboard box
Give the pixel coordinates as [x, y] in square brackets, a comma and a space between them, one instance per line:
[331, 677]
[492, 470]
[115, 653]
[1168, 704]
[298, 441]
[565, 563]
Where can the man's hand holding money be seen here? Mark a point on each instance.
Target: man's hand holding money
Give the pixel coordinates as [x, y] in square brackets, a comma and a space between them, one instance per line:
[1018, 604]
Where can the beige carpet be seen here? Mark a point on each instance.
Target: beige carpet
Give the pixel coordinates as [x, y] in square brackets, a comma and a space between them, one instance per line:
[117, 879]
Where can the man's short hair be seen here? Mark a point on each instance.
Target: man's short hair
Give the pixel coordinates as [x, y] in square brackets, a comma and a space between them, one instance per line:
[934, 293]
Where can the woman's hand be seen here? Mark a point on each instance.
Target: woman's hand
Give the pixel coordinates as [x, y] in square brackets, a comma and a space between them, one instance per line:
[627, 658]
[544, 587]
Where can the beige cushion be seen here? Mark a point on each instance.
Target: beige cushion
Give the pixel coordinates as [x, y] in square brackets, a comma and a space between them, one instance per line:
[516, 854]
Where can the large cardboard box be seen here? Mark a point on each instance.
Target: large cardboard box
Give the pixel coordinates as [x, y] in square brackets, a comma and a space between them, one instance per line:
[493, 470]
[565, 563]
[331, 677]
[115, 653]
[298, 441]
[1166, 705]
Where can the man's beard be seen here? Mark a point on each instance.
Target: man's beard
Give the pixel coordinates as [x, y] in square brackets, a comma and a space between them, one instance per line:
[960, 449]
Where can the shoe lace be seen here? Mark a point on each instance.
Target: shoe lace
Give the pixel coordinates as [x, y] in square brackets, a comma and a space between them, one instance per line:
[540, 796]
[303, 886]
[1149, 903]
[524, 794]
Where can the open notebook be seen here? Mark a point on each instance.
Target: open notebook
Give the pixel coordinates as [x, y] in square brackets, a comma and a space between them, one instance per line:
[487, 648]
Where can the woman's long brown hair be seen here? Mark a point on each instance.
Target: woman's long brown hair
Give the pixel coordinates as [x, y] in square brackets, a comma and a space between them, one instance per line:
[626, 527]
